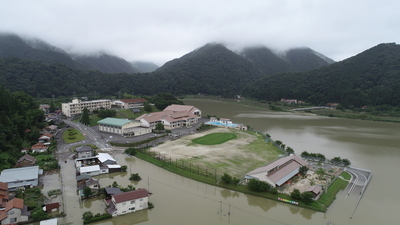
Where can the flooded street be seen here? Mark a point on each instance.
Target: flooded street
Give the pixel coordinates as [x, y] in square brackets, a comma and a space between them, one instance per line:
[178, 200]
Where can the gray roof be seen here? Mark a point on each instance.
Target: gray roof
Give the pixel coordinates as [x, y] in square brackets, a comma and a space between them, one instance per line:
[112, 190]
[84, 148]
[22, 173]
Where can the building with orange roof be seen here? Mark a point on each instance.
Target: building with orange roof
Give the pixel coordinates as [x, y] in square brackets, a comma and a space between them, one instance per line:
[173, 116]
[14, 212]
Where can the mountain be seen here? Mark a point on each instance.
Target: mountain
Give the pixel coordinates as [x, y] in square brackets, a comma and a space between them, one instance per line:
[144, 67]
[212, 69]
[265, 60]
[369, 78]
[305, 59]
[297, 59]
[34, 49]
[13, 46]
[106, 63]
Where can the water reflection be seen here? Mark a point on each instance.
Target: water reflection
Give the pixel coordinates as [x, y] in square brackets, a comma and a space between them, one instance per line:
[225, 193]
[264, 204]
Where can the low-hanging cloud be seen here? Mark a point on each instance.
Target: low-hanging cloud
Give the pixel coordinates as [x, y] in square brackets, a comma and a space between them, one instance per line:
[161, 30]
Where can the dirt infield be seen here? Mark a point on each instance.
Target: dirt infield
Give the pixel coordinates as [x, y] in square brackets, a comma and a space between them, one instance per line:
[235, 157]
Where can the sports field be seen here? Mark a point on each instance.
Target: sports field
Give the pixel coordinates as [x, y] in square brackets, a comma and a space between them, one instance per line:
[238, 153]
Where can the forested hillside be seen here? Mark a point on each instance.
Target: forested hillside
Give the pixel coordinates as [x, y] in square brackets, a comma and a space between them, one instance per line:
[33, 49]
[20, 122]
[296, 59]
[212, 69]
[369, 78]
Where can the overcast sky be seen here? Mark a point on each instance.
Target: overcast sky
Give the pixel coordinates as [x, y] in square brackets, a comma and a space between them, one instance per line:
[161, 30]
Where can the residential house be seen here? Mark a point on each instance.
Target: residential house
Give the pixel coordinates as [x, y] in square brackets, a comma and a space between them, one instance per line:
[84, 151]
[21, 177]
[45, 138]
[278, 172]
[26, 160]
[15, 212]
[45, 107]
[52, 128]
[128, 202]
[39, 147]
[3, 195]
[173, 116]
[289, 101]
[92, 183]
[130, 103]
[106, 159]
[123, 127]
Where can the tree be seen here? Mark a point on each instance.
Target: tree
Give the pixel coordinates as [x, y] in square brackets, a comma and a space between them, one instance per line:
[52, 108]
[307, 197]
[85, 117]
[257, 185]
[135, 177]
[160, 126]
[278, 142]
[305, 154]
[289, 150]
[87, 192]
[226, 178]
[87, 215]
[303, 170]
[346, 162]
[147, 107]
[336, 160]
[123, 168]
[131, 151]
[38, 214]
[320, 172]
[295, 194]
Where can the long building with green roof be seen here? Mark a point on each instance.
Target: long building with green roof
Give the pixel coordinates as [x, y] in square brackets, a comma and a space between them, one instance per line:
[123, 127]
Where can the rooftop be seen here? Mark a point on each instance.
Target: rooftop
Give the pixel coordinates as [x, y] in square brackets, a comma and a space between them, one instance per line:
[114, 121]
[22, 173]
[130, 195]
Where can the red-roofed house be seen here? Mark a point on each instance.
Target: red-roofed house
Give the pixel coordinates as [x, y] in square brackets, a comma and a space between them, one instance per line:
[278, 172]
[127, 202]
[39, 147]
[130, 103]
[14, 212]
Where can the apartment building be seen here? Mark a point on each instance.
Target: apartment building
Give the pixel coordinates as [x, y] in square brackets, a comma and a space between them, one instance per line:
[76, 107]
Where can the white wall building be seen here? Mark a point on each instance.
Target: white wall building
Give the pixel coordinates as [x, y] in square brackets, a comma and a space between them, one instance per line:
[76, 106]
[128, 202]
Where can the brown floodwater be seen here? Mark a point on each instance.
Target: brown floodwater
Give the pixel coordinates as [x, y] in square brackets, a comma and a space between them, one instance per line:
[178, 200]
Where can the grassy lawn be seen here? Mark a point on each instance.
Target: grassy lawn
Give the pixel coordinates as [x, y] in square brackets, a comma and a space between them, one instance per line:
[327, 198]
[214, 138]
[72, 135]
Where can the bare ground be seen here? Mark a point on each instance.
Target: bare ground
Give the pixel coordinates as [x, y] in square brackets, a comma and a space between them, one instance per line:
[235, 157]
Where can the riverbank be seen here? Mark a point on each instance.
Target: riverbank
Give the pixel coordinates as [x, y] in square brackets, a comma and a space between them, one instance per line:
[358, 114]
[320, 205]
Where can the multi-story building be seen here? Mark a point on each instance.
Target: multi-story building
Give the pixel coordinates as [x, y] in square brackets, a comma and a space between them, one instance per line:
[76, 107]
[173, 116]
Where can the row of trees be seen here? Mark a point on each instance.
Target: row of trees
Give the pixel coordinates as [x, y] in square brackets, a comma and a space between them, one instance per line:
[321, 158]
